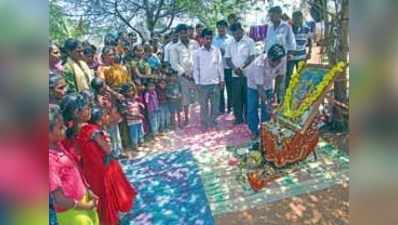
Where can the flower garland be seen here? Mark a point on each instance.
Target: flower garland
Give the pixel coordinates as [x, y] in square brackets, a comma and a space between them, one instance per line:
[287, 110]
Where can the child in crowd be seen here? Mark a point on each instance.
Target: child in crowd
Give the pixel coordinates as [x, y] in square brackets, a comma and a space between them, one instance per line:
[104, 99]
[139, 68]
[174, 98]
[141, 90]
[164, 113]
[152, 104]
[89, 96]
[164, 71]
[152, 59]
[131, 109]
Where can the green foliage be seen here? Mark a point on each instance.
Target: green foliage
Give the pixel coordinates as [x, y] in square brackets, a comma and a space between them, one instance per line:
[62, 27]
[210, 11]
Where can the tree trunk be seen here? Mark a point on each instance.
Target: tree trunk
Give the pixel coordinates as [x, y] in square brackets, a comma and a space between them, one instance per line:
[339, 122]
[150, 21]
[150, 27]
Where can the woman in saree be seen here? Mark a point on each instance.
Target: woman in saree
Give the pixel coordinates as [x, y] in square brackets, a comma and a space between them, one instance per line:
[55, 62]
[77, 73]
[115, 75]
[74, 202]
[57, 88]
[75, 112]
[103, 173]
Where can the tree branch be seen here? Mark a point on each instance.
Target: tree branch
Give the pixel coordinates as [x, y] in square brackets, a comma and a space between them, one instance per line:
[138, 6]
[158, 11]
[319, 7]
[127, 22]
[169, 25]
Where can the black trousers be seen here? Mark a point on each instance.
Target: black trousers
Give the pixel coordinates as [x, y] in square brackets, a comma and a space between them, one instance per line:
[228, 87]
[239, 95]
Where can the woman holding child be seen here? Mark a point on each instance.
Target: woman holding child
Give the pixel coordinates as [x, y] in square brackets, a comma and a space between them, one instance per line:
[115, 75]
[103, 173]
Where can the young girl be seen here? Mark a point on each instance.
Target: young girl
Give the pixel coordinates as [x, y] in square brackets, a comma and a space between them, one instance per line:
[164, 113]
[141, 98]
[73, 201]
[152, 104]
[151, 58]
[132, 108]
[174, 97]
[104, 99]
[104, 174]
[139, 69]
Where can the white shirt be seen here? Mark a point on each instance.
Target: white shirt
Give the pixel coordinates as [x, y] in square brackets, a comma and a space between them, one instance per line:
[167, 50]
[260, 72]
[181, 57]
[240, 51]
[221, 43]
[208, 66]
[282, 34]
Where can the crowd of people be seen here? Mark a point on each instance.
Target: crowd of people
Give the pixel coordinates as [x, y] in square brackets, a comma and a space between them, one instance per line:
[106, 103]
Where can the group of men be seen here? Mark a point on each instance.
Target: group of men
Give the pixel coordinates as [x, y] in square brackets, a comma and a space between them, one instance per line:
[228, 61]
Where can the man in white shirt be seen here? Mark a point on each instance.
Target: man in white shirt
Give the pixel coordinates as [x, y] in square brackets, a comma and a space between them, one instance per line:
[208, 73]
[167, 48]
[239, 53]
[261, 74]
[280, 32]
[181, 60]
[221, 41]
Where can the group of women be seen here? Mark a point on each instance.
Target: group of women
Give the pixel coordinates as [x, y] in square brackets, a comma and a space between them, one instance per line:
[87, 185]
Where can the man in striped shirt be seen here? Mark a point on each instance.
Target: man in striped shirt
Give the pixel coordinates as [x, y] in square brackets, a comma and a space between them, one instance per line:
[303, 36]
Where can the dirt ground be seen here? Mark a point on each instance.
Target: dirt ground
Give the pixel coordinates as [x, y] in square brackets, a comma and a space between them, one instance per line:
[326, 207]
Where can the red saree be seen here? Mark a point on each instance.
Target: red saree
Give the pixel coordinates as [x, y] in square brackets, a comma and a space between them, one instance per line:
[115, 193]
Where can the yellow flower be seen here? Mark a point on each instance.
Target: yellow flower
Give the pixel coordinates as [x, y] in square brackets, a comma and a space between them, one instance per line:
[312, 97]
